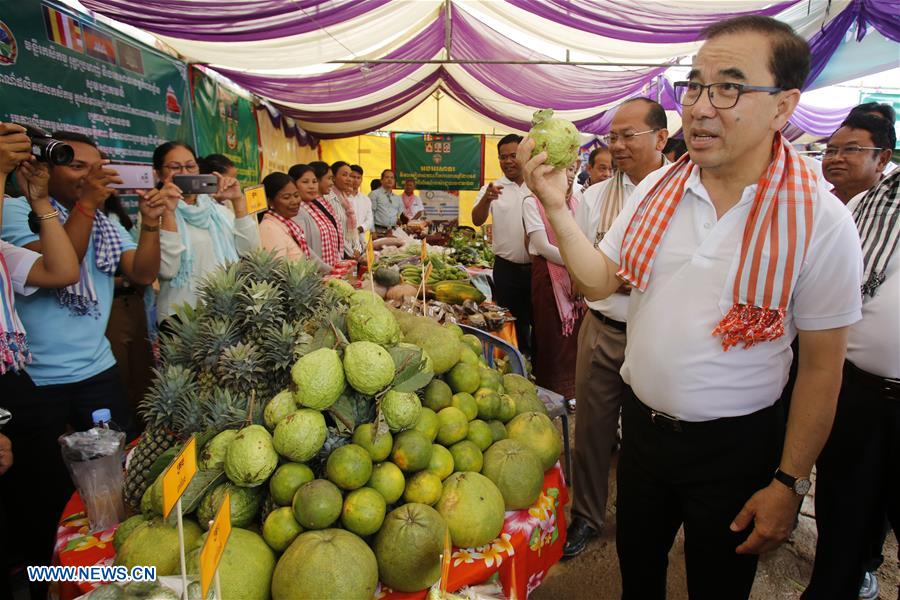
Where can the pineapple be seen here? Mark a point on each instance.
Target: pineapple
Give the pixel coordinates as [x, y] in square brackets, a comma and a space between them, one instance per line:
[261, 307]
[282, 346]
[261, 265]
[223, 411]
[172, 387]
[176, 349]
[219, 291]
[241, 371]
[305, 295]
[215, 335]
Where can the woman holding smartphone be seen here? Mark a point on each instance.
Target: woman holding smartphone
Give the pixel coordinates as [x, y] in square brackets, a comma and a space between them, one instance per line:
[277, 230]
[198, 234]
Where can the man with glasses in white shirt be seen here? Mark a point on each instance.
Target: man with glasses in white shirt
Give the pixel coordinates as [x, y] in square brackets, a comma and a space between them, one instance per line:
[731, 252]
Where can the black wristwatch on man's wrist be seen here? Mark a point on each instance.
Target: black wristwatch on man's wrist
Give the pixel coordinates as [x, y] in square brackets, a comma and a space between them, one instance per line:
[799, 486]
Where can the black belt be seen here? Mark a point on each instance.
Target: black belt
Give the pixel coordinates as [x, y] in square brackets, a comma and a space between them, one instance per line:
[889, 388]
[621, 326]
[521, 266]
[670, 423]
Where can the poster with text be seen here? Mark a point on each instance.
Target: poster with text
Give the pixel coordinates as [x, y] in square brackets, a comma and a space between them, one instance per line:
[438, 161]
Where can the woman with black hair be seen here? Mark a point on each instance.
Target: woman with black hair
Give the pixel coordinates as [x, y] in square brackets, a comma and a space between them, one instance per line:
[199, 235]
[278, 231]
[319, 220]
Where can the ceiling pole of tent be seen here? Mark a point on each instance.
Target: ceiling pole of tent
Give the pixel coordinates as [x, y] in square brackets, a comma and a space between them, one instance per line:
[454, 61]
[448, 30]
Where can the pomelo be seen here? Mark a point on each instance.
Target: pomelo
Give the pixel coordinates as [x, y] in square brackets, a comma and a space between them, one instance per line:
[349, 467]
[464, 377]
[466, 403]
[480, 434]
[453, 426]
[438, 395]
[388, 480]
[317, 504]
[281, 528]
[441, 463]
[466, 456]
[427, 424]
[363, 511]
[409, 546]
[379, 449]
[424, 488]
[411, 451]
[473, 508]
[246, 567]
[286, 480]
[537, 432]
[516, 471]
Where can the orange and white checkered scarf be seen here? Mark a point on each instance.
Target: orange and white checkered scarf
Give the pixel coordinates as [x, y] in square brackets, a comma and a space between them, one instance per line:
[776, 237]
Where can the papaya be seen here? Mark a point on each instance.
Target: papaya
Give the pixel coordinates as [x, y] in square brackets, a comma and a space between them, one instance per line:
[456, 292]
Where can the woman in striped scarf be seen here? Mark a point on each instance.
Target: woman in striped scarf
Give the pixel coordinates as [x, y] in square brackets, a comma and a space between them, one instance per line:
[277, 230]
[318, 218]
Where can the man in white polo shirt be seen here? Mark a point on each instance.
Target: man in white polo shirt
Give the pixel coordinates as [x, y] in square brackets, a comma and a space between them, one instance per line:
[503, 200]
[731, 252]
[638, 135]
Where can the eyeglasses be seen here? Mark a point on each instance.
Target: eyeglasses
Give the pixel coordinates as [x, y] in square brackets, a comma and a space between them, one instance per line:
[848, 151]
[721, 95]
[626, 137]
[189, 167]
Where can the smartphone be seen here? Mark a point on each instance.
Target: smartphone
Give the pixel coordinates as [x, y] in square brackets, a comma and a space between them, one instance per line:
[134, 177]
[196, 184]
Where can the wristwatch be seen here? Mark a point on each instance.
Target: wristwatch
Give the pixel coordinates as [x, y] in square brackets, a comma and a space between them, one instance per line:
[797, 485]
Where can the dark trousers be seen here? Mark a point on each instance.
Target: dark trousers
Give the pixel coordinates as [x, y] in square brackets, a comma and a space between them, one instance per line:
[130, 343]
[857, 483]
[512, 290]
[699, 477]
[35, 490]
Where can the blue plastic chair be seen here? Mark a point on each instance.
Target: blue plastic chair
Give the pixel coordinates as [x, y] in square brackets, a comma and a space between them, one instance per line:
[555, 403]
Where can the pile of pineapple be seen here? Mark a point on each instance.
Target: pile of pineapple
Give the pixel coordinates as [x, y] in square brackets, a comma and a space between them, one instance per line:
[230, 355]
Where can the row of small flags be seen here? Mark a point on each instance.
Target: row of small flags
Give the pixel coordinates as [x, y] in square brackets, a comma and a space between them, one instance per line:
[69, 32]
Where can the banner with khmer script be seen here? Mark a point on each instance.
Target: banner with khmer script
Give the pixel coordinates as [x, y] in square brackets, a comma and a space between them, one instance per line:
[62, 71]
[438, 161]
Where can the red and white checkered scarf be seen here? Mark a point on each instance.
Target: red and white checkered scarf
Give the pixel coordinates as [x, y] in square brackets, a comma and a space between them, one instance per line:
[329, 229]
[294, 230]
[776, 237]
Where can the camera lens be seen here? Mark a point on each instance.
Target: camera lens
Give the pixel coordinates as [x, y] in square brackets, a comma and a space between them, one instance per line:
[59, 153]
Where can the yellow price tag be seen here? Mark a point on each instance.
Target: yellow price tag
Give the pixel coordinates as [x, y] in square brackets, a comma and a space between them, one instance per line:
[446, 555]
[178, 475]
[256, 199]
[214, 546]
[370, 251]
[424, 251]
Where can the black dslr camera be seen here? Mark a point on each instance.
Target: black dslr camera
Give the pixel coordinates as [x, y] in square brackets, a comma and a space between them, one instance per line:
[48, 150]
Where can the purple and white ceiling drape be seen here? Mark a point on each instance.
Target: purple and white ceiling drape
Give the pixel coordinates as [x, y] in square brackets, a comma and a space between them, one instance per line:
[281, 51]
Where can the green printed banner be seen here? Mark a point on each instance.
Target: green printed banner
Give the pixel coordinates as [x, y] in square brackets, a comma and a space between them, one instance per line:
[226, 125]
[438, 161]
[63, 70]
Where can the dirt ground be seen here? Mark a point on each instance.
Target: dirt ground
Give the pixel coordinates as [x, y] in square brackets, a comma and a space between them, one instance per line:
[782, 575]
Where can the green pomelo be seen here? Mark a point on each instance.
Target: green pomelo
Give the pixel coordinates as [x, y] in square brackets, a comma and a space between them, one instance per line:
[286, 480]
[514, 383]
[466, 456]
[251, 457]
[213, 455]
[317, 504]
[466, 403]
[473, 508]
[438, 395]
[441, 463]
[281, 528]
[454, 426]
[126, 528]
[369, 367]
[472, 342]
[424, 488]
[507, 409]
[488, 402]
[498, 430]
[527, 402]
[349, 467]
[480, 434]
[372, 322]
[411, 451]
[246, 567]
[400, 410]
[379, 449]
[342, 288]
[155, 544]
[516, 471]
[466, 356]
[319, 377]
[491, 379]
[300, 435]
[463, 378]
[388, 480]
[427, 424]
[441, 344]
[244, 503]
[363, 511]
[364, 297]
[538, 433]
[278, 408]
[409, 547]
[332, 563]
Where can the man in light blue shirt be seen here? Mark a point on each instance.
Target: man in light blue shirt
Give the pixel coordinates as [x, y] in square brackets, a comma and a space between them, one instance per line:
[387, 206]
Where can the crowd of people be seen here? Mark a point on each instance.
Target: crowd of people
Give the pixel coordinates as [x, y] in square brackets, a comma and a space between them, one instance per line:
[731, 304]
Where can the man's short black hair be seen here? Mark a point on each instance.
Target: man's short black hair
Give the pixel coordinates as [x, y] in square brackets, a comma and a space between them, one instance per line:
[789, 59]
[72, 136]
[656, 114]
[676, 145]
[510, 138]
[386, 171]
[215, 163]
[375, 184]
[882, 131]
[875, 109]
[595, 152]
[356, 169]
[335, 166]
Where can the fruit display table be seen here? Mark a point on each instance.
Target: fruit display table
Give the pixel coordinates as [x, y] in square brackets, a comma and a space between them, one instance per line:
[531, 542]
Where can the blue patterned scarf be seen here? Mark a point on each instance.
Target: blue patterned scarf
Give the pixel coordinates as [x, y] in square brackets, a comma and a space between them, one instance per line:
[205, 214]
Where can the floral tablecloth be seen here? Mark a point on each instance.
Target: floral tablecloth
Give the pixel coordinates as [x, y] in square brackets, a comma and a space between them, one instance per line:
[531, 542]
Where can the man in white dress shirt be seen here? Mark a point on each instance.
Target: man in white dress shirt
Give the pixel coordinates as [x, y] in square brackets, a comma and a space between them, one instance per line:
[503, 200]
[638, 135]
[731, 252]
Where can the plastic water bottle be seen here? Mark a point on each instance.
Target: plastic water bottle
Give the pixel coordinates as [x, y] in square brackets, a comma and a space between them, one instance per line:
[102, 418]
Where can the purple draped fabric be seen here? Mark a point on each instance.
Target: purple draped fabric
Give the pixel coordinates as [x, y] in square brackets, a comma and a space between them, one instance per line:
[232, 20]
[648, 22]
[821, 122]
